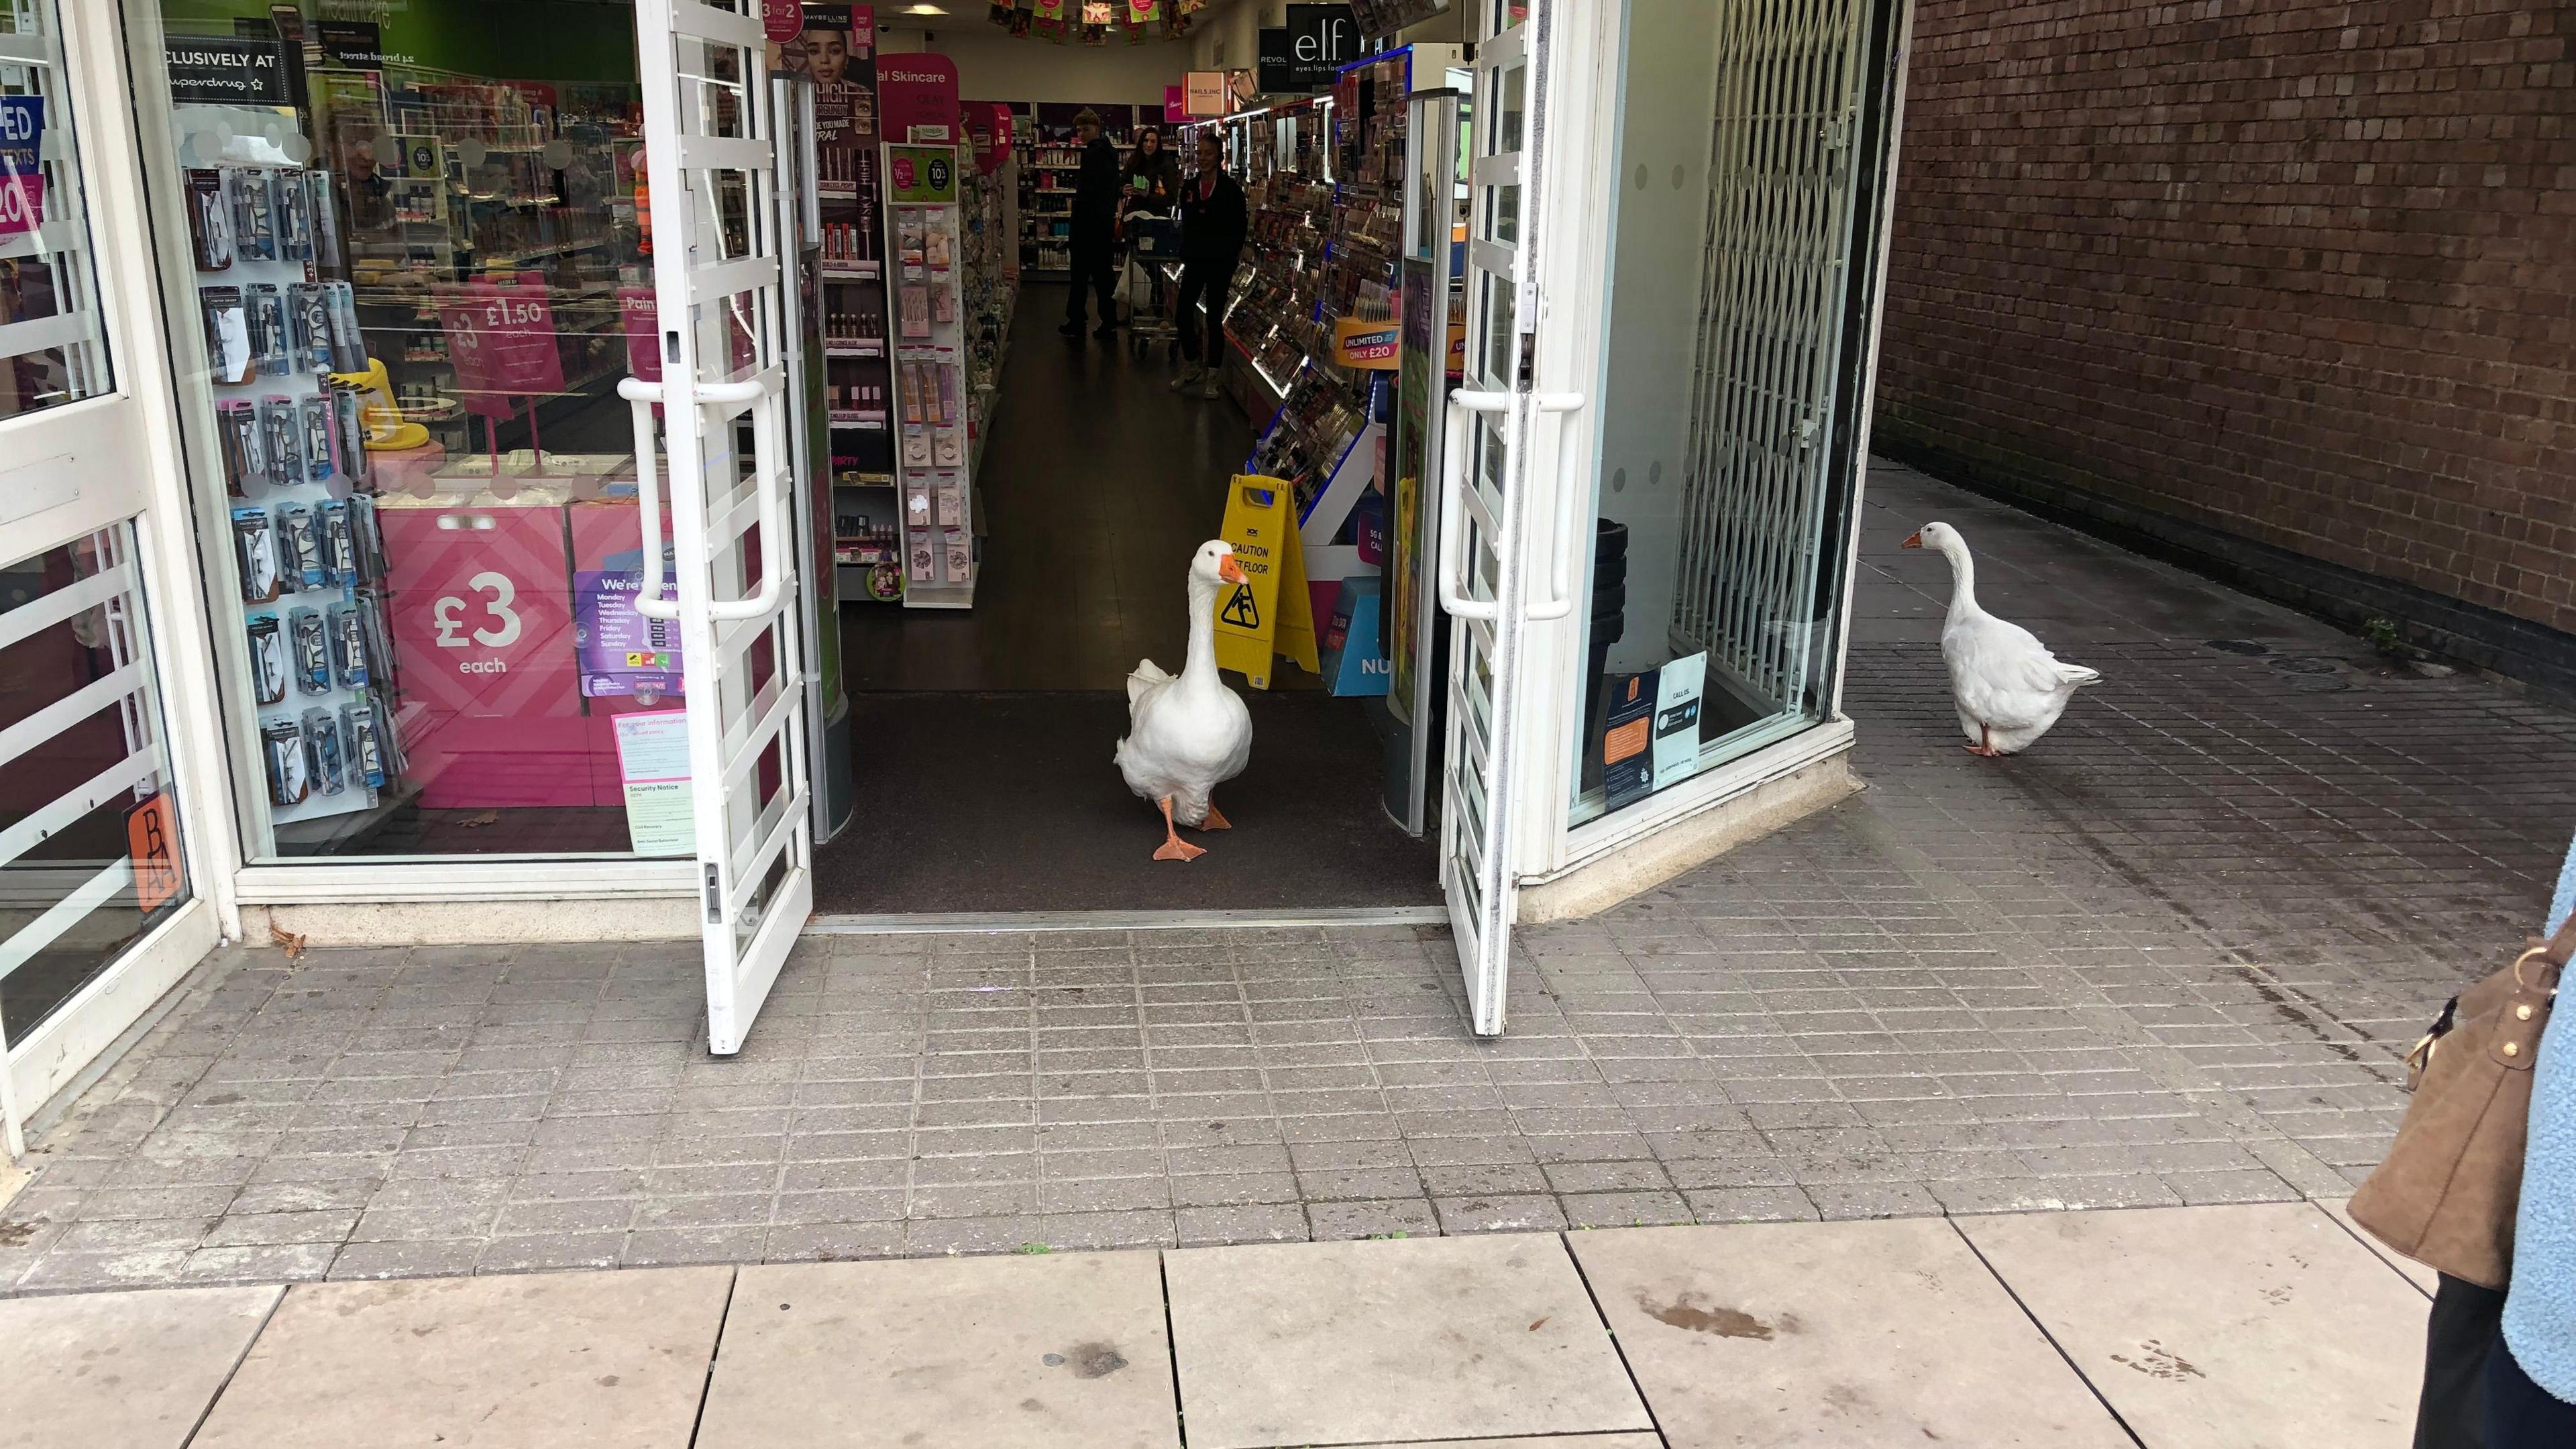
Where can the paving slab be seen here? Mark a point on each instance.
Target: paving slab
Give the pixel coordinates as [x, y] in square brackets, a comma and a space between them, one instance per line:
[1544, 1441]
[1393, 1341]
[509, 1361]
[135, 1370]
[1063, 1350]
[2416, 1273]
[1763, 1334]
[2262, 1326]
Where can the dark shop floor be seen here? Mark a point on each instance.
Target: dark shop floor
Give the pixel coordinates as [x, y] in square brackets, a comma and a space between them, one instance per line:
[983, 737]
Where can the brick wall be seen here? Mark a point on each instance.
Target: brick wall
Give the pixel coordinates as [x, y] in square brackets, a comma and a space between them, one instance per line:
[2282, 271]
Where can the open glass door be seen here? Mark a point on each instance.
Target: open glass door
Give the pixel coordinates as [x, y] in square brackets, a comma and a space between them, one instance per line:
[722, 397]
[1484, 571]
[98, 915]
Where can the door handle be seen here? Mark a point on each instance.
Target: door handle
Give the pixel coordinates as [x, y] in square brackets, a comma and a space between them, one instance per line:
[641, 396]
[1454, 477]
[775, 568]
[1454, 487]
[1561, 575]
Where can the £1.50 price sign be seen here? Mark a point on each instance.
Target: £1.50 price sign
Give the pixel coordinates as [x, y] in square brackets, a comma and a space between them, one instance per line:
[501, 343]
[22, 178]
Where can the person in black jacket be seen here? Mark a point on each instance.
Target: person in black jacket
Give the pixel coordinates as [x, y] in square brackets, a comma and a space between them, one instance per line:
[1213, 222]
[1096, 189]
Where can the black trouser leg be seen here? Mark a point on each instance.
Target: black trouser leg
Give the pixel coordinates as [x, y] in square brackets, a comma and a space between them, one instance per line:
[2457, 1338]
[1219, 277]
[2520, 1413]
[1193, 285]
[1083, 260]
[1104, 281]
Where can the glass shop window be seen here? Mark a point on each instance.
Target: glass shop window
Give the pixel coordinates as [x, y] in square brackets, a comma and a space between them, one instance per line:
[420, 246]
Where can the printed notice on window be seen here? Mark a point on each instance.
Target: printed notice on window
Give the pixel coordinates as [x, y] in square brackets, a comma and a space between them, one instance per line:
[653, 761]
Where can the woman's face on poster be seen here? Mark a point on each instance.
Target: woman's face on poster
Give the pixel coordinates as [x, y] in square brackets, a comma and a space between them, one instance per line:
[827, 55]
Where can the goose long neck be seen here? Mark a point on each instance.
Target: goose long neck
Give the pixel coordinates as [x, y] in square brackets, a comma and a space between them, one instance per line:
[1200, 665]
[1963, 576]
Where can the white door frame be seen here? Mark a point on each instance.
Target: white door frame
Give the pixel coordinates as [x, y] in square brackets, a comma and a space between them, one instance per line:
[125, 467]
[723, 339]
[1574, 266]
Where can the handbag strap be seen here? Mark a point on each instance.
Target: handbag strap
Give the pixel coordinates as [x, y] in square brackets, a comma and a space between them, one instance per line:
[2562, 946]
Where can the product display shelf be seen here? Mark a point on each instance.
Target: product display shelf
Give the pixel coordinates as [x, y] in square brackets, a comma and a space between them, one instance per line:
[990, 291]
[307, 561]
[933, 354]
[1046, 184]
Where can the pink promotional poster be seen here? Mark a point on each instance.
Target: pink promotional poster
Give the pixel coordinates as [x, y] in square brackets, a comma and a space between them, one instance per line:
[501, 342]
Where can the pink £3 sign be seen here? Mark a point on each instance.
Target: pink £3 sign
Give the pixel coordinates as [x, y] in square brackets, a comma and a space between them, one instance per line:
[917, 97]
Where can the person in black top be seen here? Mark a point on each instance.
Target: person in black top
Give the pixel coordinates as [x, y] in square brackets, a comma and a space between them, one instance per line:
[1214, 219]
[1096, 189]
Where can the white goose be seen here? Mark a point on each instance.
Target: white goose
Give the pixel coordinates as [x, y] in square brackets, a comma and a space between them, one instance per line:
[1186, 735]
[2010, 689]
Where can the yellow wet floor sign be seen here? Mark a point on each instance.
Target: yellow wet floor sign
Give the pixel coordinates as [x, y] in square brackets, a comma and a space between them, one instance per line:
[1270, 612]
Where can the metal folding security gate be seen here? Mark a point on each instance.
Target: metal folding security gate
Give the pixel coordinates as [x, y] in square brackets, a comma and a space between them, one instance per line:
[1784, 166]
[721, 400]
[1483, 564]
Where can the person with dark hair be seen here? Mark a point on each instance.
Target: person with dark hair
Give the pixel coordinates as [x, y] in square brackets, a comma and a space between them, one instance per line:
[1096, 189]
[1153, 174]
[1214, 219]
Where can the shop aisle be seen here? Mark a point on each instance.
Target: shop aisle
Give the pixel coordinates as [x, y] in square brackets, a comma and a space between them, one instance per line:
[983, 738]
[1098, 485]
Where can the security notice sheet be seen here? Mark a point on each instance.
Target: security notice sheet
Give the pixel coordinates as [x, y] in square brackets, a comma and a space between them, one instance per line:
[653, 761]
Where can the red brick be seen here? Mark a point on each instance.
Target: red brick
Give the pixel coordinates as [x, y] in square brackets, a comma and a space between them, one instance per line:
[2303, 272]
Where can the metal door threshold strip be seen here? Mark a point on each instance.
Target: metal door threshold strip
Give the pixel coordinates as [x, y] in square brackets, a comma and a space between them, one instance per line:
[1021, 922]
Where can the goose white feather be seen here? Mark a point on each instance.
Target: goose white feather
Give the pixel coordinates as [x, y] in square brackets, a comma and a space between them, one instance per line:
[2010, 689]
[1188, 733]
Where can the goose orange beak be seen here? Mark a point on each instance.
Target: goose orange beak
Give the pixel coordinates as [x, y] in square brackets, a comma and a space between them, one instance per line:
[1230, 571]
[1912, 540]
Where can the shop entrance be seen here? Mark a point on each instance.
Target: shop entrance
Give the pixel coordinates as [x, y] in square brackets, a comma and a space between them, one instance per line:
[983, 737]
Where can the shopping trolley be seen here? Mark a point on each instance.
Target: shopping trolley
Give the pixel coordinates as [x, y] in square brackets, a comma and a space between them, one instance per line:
[1153, 262]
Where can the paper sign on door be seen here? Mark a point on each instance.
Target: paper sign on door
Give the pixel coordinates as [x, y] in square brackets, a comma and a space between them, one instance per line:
[653, 763]
[152, 844]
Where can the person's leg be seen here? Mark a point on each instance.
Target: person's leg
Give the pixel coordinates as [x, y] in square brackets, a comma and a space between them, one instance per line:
[2465, 1324]
[2519, 1413]
[1219, 276]
[1193, 283]
[1104, 283]
[1079, 262]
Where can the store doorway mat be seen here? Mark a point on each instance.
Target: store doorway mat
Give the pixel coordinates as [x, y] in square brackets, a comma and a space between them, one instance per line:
[1000, 923]
[986, 803]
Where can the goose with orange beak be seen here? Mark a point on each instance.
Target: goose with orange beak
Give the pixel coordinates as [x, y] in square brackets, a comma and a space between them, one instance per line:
[1188, 733]
[2009, 688]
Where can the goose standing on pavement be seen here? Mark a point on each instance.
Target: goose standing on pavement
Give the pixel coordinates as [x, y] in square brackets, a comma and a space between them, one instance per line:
[2010, 689]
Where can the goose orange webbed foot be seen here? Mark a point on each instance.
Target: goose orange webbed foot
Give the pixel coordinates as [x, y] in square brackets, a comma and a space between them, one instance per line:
[1173, 846]
[1215, 820]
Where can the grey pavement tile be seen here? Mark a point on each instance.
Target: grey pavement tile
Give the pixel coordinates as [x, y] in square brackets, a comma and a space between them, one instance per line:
[1537, 1212]
[262, 1263]
[596, 1358]
[1760, 1334]
[1064, 1349]
[2189, 1321]
[832, 1241]
[1393, 1218]
[1283, 1222]
[1365, 1342]
[178, 1347]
